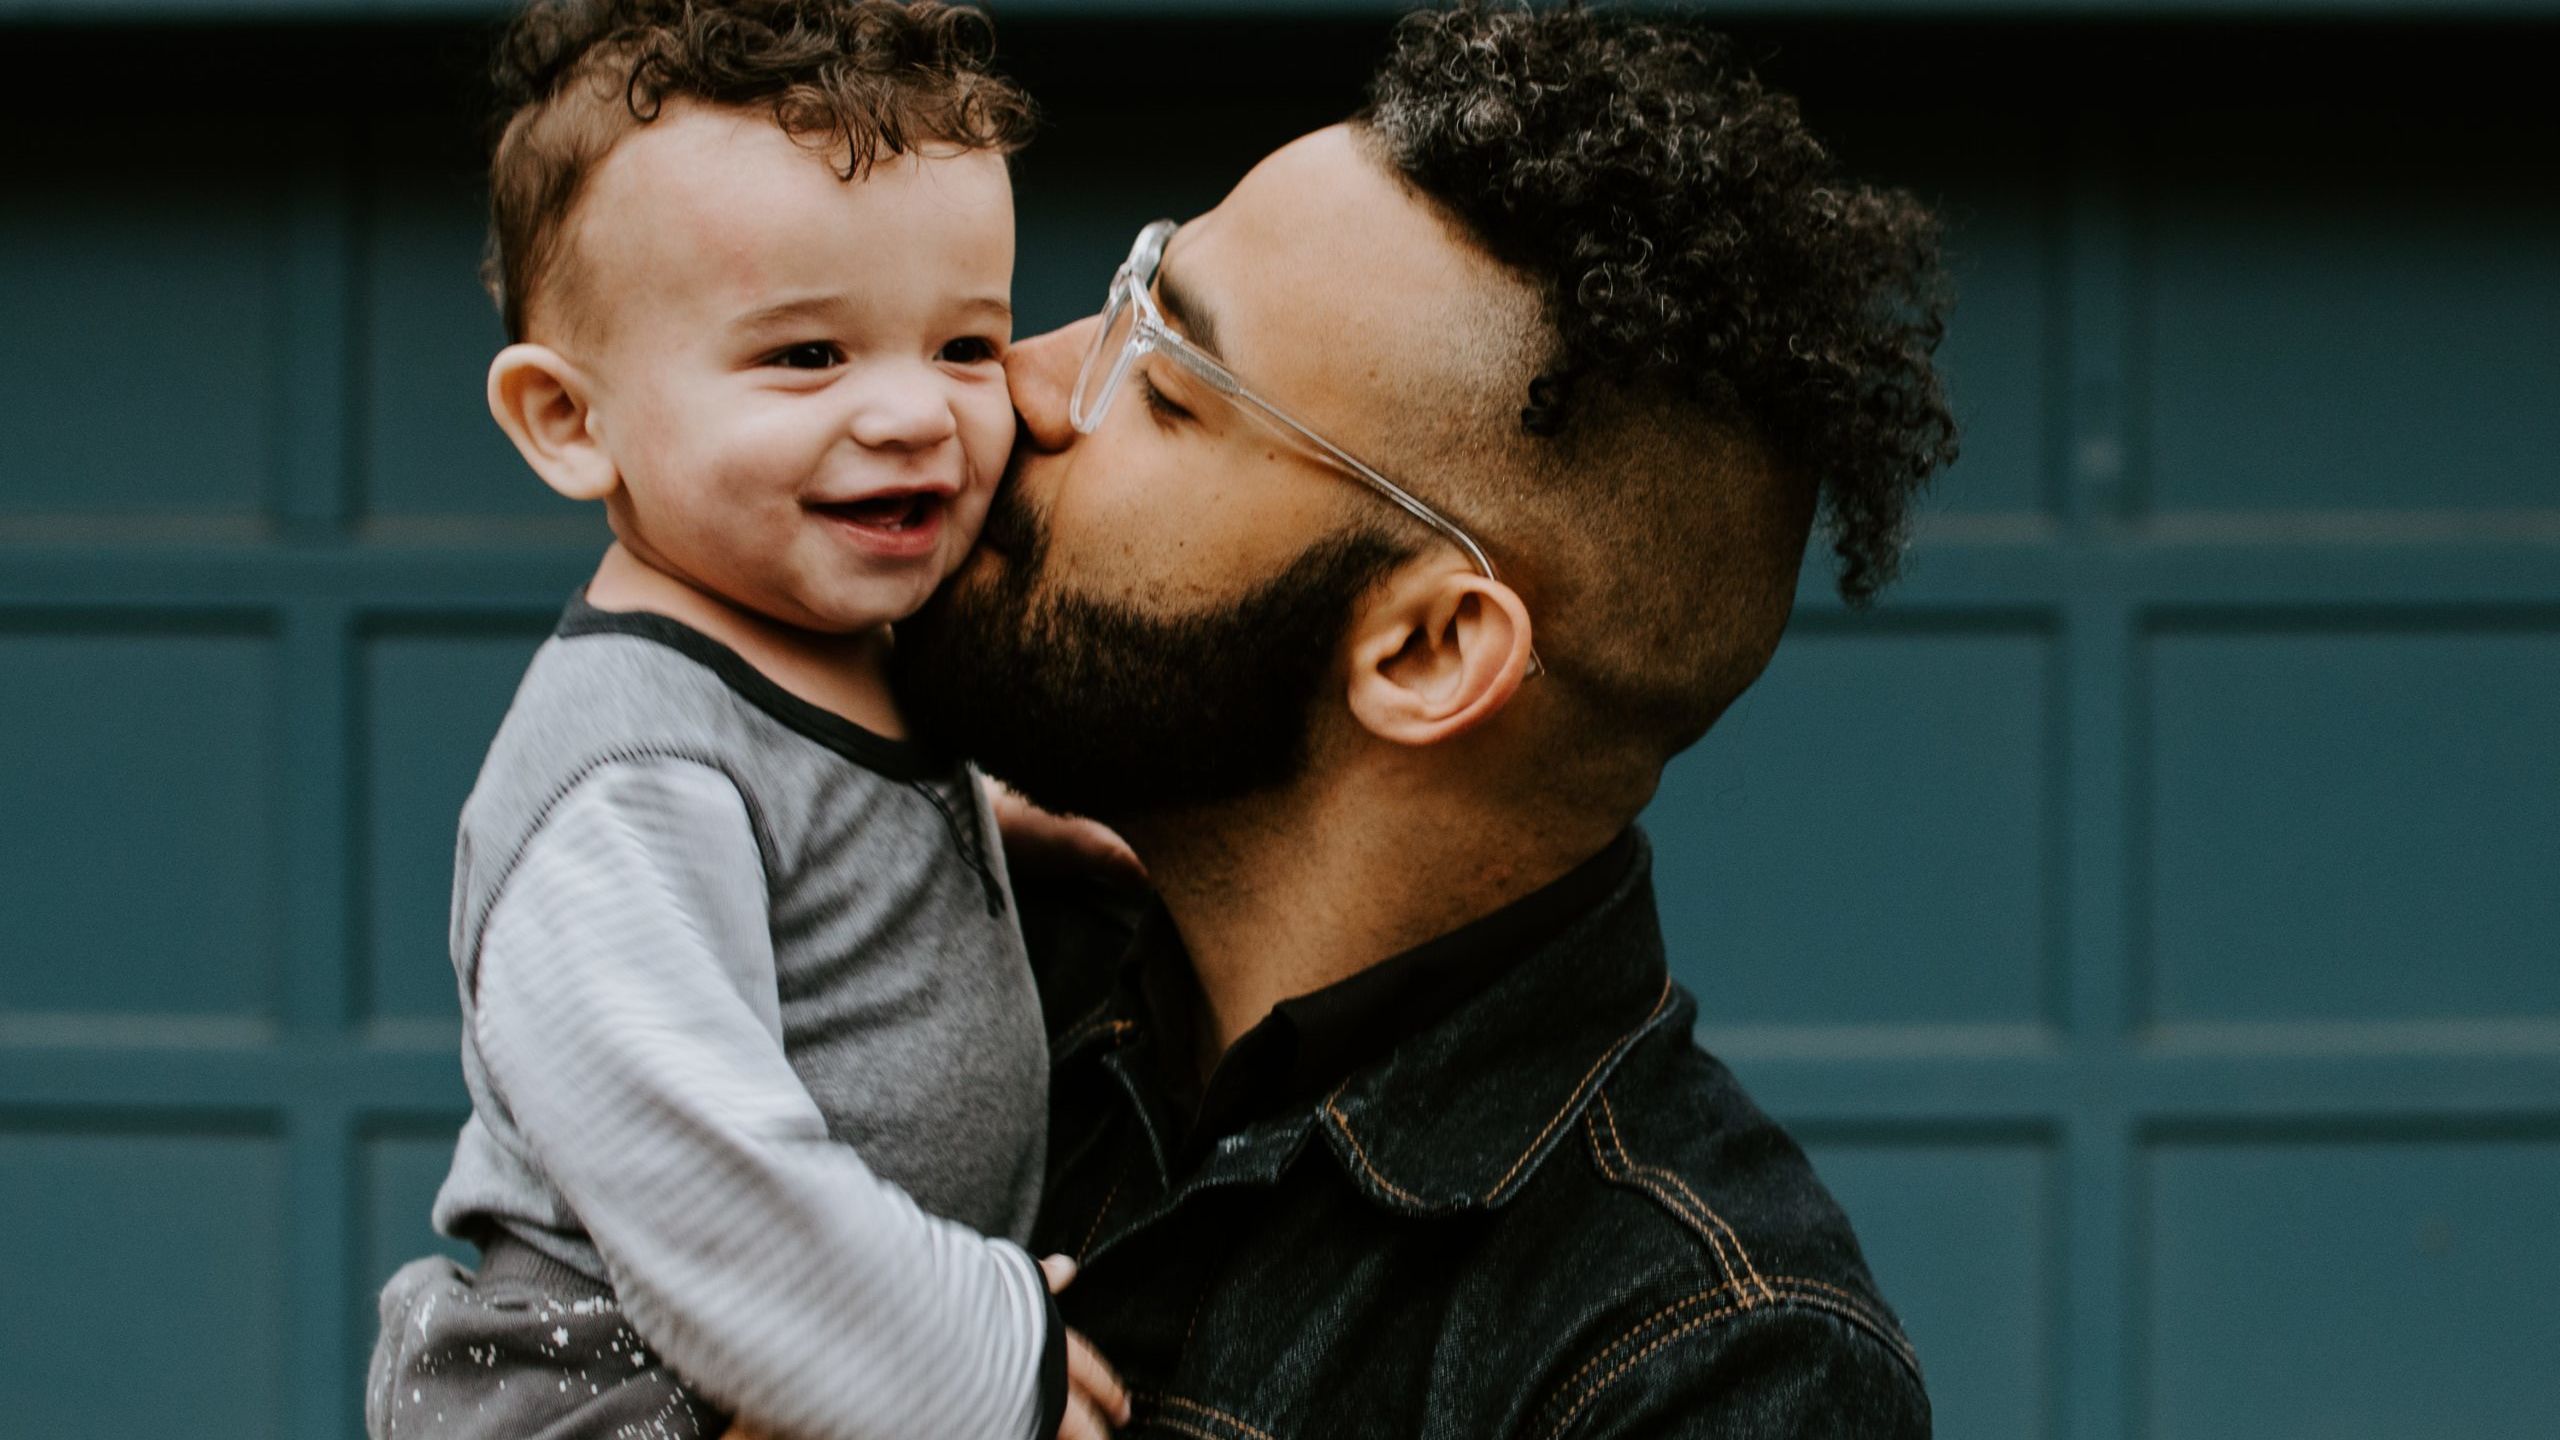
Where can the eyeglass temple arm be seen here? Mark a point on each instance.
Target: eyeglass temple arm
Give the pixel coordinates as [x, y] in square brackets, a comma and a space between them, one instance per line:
[1136, 273]
[1226, 383]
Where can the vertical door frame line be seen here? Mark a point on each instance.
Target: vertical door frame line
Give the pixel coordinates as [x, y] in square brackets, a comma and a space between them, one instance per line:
[313, 490]
[2096, 1243]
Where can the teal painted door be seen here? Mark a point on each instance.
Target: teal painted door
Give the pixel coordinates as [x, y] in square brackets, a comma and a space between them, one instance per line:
[2150, 917]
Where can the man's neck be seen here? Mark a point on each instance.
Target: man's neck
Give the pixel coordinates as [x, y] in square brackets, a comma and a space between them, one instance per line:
[1283, 896]
[845, 675]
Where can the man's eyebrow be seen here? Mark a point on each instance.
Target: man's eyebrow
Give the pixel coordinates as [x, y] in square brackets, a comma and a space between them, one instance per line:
[1198, 324]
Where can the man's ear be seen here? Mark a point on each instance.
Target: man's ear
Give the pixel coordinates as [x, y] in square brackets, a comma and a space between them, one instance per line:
[1436, 655]
[542, 402]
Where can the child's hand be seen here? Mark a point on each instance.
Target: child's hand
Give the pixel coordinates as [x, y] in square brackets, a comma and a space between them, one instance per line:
[1036, 841]
[1096, 1400]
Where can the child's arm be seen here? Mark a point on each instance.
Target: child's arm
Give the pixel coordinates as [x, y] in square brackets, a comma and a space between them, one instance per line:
[627, 1013]
[1097, 1401]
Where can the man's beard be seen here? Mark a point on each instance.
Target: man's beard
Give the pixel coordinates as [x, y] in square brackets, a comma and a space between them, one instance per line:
[1097, 707]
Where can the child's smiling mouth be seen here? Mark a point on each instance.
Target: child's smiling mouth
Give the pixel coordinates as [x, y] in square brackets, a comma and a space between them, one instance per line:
[896, 523]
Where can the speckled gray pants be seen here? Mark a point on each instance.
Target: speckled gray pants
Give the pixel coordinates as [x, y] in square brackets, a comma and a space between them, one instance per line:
[523, 1350]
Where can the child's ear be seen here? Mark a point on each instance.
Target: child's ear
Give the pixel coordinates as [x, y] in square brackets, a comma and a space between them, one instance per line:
[541, 401]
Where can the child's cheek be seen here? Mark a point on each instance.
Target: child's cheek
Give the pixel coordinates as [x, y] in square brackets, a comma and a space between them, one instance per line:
[987, 423]
[986, 439]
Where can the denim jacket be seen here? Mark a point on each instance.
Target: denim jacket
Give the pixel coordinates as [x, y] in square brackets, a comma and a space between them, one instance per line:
[1544, 1214]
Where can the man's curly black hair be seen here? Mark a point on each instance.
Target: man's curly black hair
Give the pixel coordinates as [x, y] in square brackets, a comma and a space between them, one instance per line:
[1686, 229]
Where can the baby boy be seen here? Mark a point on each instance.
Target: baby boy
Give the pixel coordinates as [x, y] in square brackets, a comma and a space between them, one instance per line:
[756, 1066]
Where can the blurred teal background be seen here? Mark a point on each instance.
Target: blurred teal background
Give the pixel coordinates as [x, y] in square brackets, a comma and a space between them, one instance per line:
[2150, 916]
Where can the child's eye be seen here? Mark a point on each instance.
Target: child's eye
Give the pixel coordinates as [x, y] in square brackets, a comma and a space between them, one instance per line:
[810, 355]
[969, 350]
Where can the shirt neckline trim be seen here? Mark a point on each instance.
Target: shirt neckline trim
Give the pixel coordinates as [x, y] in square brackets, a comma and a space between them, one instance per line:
[903, 760]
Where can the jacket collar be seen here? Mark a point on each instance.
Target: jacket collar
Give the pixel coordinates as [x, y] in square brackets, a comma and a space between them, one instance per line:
[1459, 1114]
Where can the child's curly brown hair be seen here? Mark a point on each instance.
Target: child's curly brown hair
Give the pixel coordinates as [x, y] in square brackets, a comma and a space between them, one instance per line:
[854, 80]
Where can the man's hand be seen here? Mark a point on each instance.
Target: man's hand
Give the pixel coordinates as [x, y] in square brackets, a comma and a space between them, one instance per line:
[1036, 841]
[1096, 1400]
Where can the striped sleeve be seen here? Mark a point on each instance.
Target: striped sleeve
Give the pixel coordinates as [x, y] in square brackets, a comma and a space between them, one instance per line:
[626, 1008]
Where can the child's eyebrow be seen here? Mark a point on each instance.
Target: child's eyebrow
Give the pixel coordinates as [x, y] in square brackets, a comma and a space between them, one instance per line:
[807, 307]
[819, 307]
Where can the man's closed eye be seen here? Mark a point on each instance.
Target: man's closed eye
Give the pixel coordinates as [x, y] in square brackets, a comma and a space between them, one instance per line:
[1160, 405]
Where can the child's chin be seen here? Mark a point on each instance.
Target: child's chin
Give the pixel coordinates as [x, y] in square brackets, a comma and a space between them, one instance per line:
[881, 602]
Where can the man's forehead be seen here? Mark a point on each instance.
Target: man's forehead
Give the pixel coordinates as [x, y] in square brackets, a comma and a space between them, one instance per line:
[1324, 273]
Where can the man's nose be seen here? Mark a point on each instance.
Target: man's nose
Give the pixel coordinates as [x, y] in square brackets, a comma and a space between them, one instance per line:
[1042, 372]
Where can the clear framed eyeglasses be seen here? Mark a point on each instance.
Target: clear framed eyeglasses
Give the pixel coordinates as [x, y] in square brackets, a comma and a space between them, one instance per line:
[1132, 326]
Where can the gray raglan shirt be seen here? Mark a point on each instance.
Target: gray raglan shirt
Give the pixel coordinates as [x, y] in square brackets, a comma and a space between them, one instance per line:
[746, 1014]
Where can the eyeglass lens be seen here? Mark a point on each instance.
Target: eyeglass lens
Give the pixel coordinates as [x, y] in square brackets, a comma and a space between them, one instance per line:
[1107, 363]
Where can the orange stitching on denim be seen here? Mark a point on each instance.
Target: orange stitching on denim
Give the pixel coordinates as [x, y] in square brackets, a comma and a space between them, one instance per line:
[1192, 1330]
[1089, 1029]
[1115, 1028]
[1858, 1315]
[1856, 1307]
[1101, 1215]
[1074, 1034]
[1729, 1233]
[1215, 1414]
[1724, 1258]
[1624, 1170]
[1610, 1171]
[1565, 1109]
[1849, 1295]
[1574, 1411]
[1182, 1427]
[1649, 1321]
[1854, 1312]
[1343, 1124]
[1690, 1213]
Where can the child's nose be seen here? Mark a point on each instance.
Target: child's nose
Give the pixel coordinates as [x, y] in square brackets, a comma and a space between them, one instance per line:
[909, 413]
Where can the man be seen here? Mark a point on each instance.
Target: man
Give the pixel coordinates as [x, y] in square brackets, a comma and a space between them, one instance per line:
[1363, 563]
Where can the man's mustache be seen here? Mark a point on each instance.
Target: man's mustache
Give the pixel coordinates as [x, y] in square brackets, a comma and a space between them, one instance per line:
[1012, 528]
